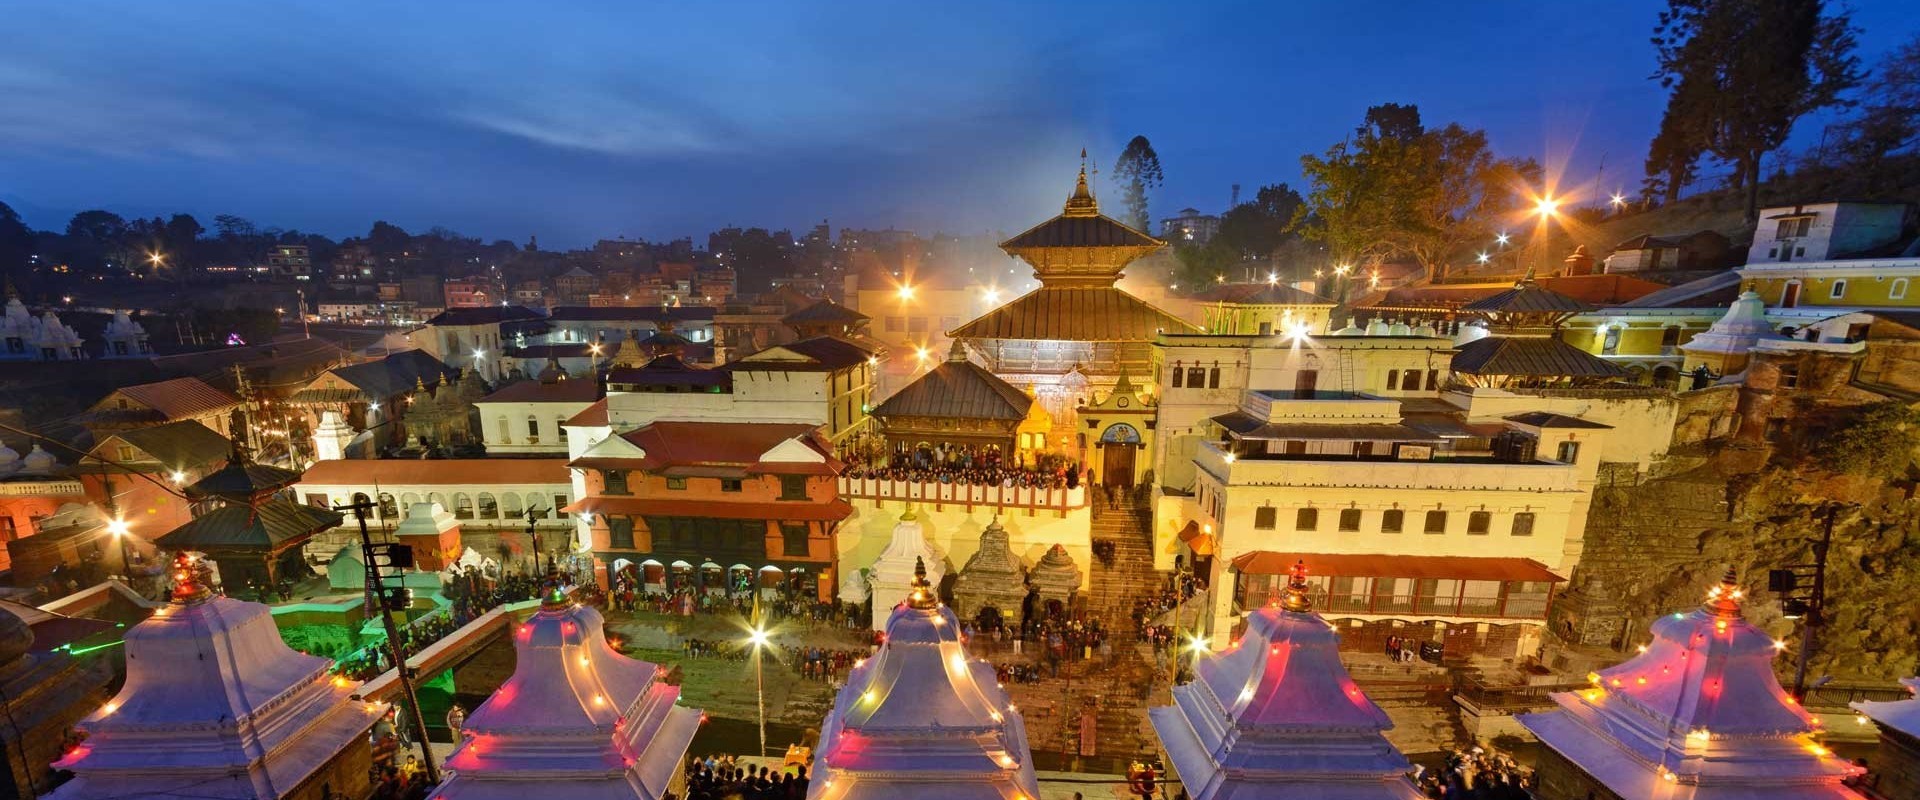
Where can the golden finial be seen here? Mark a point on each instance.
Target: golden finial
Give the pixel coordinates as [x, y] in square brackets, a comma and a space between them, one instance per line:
[1295, 598]
[920, 593]
[1724, 600]
[188, 589]
[1081, 203]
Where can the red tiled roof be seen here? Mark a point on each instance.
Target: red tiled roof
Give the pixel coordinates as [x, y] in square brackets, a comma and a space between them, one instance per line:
[831, 511]
[1342, 565]
[181, 398]
[433, 472]
[595, 414]
[680, 444]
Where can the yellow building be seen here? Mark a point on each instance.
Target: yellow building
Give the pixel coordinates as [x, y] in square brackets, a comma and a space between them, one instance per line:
[1263, 309]
[1853, 283]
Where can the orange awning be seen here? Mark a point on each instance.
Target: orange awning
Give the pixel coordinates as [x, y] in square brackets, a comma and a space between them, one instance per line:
[1201, 543]
[832, 511]
[1369, 565]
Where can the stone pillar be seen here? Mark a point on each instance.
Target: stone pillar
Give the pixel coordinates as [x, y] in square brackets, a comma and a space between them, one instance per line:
[331, 437]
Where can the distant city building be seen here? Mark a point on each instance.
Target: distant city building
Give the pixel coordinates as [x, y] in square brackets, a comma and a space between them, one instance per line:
[1190, 227]
[290, 260]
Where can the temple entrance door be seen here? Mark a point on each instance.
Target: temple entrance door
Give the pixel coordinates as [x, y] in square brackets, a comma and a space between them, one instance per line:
[1117, 446]
[1117, 461]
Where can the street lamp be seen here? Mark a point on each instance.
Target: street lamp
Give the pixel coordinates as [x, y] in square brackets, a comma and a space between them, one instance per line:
[1546, 206]
[117, 528]
[906, 292]
[758, 638]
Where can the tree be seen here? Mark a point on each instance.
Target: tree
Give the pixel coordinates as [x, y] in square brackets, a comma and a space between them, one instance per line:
[16, 240]
[1357, 190]
[1205, 265]
[387, 239]
[1876, 441]
[234, 227]
[1673, 158]
[97, 227]
[1256, 229]
[1137, 170]
[1743, 71]
[1464, 190]
[1889, 120]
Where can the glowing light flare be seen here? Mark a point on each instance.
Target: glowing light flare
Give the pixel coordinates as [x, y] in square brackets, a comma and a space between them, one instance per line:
[1483, 258]
[178, 476]
[1502, 238]
[1273, 279]
[905, 292]
[757, 637]
[1546, 206]
[992, 296]
[118, 527]
[1618, 200]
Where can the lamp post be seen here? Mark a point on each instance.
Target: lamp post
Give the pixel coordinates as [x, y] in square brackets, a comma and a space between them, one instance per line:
[117, 527]
[758, 638]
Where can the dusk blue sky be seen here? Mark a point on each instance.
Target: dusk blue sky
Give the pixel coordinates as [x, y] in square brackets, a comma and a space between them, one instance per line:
[576, 121]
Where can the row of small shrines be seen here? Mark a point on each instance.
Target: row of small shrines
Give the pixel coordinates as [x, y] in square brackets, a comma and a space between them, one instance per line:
[216, 705]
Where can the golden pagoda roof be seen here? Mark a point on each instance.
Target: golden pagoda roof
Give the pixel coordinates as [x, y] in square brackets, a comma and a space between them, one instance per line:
[1075, 314]
[1081, 246]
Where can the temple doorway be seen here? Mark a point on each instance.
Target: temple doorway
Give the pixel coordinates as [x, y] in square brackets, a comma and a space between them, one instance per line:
[1118, 444]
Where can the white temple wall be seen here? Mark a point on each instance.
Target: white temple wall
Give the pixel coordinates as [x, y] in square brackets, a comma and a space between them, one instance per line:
[956, 531]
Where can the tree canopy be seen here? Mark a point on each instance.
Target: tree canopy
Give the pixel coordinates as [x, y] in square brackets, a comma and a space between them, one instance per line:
[1741, 72]
[1398, 188]
[1136, 171]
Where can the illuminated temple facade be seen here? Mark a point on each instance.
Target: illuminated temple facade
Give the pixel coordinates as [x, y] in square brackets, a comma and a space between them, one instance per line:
[1078, 332]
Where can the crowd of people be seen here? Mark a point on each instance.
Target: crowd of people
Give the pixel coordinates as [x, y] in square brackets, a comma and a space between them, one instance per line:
[1016, 673]
[472, 594]
[969, 464]
[722, 777]
[1477, 775]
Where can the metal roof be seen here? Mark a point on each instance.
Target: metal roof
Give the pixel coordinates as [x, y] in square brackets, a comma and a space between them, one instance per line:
[1247, 426]
[1260, 294]
[1075, 314]
[178, 444]
[485, 315]
[1533, 356]
[1527, 297]
[271, 526]
[1548, 419]
[240, 480]
[821, 352]
[824, 312]
[180, 398]
[396, 374]
[1093, 231]
[957, 389]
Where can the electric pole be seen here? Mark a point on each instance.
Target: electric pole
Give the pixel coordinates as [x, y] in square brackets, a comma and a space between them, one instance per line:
[397, 556]
[1810, 607]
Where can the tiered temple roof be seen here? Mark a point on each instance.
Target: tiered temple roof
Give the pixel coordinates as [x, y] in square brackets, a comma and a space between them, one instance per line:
[576, 720]
[1077, 256]
[215, 705]
[1277, 716]
[922, 720]
[1698, 715]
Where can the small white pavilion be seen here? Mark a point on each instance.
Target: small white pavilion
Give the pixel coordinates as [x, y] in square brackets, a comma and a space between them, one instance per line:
[922, 720]
[1277, 716]
[892, 575]
[1698, 715]
[216, 705]
[576, 720]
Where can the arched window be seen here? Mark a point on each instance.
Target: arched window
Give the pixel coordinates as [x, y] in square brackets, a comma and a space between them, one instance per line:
[506, 431]
[533, 430]
[440, 500]
[540, 506]
[489, 508]
[512, 505]
[407, 502]
[560, 425]
[462, 506]
[388, 508]
[361, 498]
